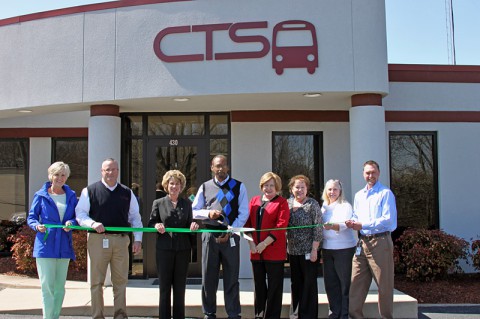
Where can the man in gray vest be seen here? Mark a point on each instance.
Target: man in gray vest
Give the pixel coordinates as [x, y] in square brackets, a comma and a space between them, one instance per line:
[222, 199]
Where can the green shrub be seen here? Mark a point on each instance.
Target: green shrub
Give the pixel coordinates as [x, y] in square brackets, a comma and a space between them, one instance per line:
[22, 249]
[426, 255]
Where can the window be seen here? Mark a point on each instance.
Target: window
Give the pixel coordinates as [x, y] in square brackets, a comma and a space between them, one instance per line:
[413, 178]
[176, 125]
[299, 153]
[74, 152]
[13, 178]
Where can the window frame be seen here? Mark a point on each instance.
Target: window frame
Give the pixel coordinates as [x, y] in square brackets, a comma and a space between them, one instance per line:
[26, 169]
[318, 159]
[434, 137]
[55, 159]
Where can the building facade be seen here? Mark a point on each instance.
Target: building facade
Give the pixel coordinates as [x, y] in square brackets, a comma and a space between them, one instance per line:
[274, 85]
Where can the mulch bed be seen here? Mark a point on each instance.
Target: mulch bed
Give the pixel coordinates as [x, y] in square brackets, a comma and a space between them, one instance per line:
[8, 267]
[456, 289]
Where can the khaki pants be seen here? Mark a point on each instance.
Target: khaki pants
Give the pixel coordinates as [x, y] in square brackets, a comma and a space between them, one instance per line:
[375, 261]
[117, 256]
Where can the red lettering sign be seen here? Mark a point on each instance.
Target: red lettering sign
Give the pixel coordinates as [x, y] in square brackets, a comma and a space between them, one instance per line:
[284, 54]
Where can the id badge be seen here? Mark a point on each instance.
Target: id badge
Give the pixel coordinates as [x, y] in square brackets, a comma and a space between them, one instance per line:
[105, 243]
[358, 251]
[232, 242]
[307, 256]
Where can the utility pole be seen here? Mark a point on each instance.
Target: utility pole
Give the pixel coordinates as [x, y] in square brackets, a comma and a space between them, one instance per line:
[450, 28]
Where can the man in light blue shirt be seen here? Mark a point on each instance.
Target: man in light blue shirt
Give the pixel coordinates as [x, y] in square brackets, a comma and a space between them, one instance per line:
[221, 199]
[375, 217]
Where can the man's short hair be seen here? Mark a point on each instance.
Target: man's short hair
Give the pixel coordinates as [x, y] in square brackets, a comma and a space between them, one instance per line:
[373, 163]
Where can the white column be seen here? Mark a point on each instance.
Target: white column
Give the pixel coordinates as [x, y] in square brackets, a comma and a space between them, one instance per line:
[240, 165]
[104, 141]
[368, 141]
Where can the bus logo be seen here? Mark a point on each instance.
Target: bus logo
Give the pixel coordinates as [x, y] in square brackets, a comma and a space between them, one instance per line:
[293, 43]
[285, 54]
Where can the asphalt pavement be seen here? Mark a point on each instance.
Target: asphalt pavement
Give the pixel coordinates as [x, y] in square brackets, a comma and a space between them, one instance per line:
[449, 311]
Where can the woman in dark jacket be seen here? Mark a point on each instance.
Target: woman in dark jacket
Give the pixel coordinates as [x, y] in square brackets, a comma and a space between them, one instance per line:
[268, 250]
[53, 204]
[173, 249]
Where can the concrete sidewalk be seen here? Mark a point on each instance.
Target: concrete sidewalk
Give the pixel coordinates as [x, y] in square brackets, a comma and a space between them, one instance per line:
[22, 296]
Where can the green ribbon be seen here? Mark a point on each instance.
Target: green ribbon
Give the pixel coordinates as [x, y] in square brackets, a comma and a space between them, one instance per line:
[293, 227]
[143, 230]
[133, 229]
[171, 230]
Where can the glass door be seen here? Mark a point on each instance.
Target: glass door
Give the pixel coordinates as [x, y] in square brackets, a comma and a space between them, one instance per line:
[190, 156]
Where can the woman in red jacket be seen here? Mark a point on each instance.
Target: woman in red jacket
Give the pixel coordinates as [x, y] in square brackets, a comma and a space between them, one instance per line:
[269, 215]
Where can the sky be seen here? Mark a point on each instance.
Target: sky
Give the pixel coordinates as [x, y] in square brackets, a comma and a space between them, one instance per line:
[417, 30]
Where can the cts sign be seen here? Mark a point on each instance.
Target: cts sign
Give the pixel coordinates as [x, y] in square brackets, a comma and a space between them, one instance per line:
[293, 44]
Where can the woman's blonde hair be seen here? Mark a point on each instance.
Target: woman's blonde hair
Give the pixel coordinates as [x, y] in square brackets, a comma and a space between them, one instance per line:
[338, 184]
[58, 167]
[175, 174]
[276, 179]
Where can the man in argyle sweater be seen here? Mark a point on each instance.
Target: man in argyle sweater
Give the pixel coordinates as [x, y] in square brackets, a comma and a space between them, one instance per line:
[224, 199]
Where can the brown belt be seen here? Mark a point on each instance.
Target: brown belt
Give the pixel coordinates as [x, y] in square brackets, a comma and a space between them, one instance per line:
[369, 237]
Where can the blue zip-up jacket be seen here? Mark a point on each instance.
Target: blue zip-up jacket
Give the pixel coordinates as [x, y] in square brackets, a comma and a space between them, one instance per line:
[44, 211]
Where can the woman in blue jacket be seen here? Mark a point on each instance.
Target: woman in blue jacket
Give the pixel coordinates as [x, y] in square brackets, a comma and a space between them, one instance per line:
[53, 204]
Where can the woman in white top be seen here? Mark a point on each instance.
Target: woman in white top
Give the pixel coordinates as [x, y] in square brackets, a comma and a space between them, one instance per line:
[337, 249]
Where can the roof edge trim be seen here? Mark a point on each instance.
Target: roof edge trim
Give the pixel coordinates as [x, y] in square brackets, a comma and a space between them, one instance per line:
[81, 9]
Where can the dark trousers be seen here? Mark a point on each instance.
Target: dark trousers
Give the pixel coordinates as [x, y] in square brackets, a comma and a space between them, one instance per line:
[268, 279]
[213, 256]
[304, 287]
[172, 267]
[337, 273]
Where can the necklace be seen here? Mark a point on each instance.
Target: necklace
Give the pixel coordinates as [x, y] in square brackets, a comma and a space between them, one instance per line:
[174, 202]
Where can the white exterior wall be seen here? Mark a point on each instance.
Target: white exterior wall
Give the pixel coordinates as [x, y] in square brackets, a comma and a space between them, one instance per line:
[59, 66]
[108, 55]
[409, 96]
[54, 120]
[252, 157]
[458, 174]
[252, 150]
[45, 64]
[458, 151]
